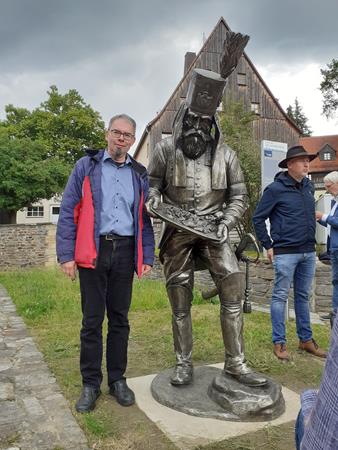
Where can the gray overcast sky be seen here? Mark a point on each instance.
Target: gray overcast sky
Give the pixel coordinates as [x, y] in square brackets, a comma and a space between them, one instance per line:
[128, 56]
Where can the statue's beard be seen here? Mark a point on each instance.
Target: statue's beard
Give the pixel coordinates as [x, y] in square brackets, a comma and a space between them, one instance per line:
[195, 144]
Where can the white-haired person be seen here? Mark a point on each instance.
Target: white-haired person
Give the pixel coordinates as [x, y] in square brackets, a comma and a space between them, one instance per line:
[331, 222]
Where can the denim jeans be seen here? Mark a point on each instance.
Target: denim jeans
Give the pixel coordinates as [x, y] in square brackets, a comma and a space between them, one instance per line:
[334, 268]
[298, 268]
[299, 429]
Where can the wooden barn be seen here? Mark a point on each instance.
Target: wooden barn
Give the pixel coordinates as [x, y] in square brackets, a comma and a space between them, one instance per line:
[245, 84]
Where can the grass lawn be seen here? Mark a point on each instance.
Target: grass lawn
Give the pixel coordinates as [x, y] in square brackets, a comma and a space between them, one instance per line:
[50, 306]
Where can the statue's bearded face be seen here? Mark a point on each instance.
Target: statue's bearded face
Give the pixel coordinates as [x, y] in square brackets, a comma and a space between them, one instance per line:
[196, 134]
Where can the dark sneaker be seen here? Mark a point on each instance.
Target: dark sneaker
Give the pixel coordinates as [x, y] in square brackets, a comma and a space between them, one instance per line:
[87, 400]
[311, 346]
[123, 394]
[280, 350]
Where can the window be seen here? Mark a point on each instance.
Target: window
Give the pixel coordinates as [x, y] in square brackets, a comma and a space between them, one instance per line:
[241, 79]
[55, 210]
[317, 180]
[327, 153]
[255, 108]
[35, 211]
[327, 156]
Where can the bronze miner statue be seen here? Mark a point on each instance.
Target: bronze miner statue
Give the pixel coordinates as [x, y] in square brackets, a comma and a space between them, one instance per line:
[197, 187]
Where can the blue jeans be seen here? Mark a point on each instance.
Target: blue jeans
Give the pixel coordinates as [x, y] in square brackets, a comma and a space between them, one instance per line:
[299, 429]
[298, 268]
[334, 268]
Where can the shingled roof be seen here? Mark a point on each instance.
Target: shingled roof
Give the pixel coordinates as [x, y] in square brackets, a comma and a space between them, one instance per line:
[315, 144]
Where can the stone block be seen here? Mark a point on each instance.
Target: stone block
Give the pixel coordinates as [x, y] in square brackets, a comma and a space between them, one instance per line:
[6, 391]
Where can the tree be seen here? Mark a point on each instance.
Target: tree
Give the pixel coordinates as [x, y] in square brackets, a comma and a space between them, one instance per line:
[298, 117]
[236, 124]
[64, 123]
[39, 148]
[29, 174]
[329, 88]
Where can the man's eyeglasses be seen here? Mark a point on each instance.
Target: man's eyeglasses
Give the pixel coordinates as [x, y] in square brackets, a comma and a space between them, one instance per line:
[126, 136]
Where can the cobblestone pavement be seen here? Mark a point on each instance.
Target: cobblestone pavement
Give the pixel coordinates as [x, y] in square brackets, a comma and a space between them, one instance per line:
[34, 415]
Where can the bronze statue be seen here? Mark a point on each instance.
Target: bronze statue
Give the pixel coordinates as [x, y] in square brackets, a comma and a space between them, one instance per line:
[194, 171]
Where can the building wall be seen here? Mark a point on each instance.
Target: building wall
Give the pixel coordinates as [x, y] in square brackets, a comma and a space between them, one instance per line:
[143, 153]
[27, 245]
[23, 217]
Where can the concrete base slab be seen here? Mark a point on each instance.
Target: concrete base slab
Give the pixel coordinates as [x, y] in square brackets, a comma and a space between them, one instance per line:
[187, 431]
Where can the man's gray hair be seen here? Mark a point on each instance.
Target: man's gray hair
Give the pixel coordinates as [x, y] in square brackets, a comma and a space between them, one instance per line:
[331, 177]
[124, 117]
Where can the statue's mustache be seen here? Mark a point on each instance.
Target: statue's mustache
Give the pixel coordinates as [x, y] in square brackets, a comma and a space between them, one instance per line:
[198, 133]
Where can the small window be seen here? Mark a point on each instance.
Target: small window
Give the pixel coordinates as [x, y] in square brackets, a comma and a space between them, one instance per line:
[327, 153]
[241, 79]
[35, 211]
[56, 210]
[255, 108]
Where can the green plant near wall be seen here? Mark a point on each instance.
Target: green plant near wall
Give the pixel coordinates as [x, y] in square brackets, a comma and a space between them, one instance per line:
[237, 127]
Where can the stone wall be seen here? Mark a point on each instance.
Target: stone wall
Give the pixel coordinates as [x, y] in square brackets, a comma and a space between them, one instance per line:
[27, 245]
[34, 245]
[261, 276]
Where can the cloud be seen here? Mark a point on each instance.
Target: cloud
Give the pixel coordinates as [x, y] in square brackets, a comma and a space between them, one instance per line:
[129, 56]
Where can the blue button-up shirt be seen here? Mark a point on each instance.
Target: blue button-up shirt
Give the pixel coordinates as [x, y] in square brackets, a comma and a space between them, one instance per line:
[117, 197]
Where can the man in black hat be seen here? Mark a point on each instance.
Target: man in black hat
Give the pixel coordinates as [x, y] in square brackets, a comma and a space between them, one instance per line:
[289, 205]
[194, 170]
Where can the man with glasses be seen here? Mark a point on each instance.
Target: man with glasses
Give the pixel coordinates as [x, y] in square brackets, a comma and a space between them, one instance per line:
[105, 233]
[331, 222]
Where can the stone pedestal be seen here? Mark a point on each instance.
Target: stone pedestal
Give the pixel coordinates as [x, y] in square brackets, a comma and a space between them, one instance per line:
[214, 395]
[247, 403]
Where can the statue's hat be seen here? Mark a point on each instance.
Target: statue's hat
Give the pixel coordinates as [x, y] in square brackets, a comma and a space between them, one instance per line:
[204, 92]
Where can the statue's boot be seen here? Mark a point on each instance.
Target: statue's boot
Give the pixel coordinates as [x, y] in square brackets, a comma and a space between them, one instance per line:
[180, 299]
[232, 330]
[183, 370]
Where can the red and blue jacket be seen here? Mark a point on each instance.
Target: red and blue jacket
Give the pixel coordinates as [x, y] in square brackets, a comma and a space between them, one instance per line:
[78, 228]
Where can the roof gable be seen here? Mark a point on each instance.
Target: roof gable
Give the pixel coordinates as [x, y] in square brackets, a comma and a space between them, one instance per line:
[208, 58]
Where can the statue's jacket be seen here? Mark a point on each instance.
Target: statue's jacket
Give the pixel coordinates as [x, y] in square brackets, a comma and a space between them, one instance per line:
[207, 185]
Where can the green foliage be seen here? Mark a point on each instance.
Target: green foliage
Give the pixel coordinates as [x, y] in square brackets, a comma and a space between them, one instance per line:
[95, 426]
[28, 172]
[298, 117]
[38, 148]
[329, 88]
[236, 124]
[65, 124]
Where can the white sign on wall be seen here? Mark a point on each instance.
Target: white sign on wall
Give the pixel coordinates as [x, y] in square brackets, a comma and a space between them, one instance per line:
[272, 153]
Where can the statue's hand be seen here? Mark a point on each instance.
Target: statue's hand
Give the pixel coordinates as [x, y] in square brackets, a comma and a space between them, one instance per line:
[152, 203]
[222, 232]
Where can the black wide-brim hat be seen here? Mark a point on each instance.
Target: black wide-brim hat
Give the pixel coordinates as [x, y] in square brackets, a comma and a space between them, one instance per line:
[294, 152]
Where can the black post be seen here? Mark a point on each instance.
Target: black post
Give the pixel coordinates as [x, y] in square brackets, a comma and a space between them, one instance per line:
[247, 303]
